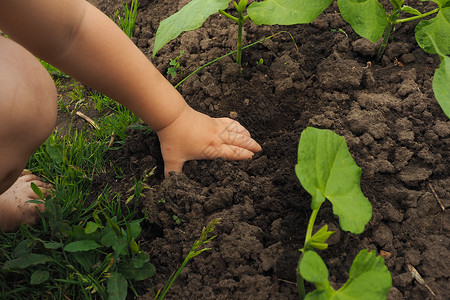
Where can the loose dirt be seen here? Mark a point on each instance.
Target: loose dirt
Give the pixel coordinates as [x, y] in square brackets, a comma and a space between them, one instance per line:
[394, 128]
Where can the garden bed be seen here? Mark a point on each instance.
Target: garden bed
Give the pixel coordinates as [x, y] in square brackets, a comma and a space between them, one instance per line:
[387, 112]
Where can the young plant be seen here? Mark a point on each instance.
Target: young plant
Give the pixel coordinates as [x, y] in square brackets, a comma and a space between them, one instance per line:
[326, 170]
[269, 12]
[195, 250]
[175, 66]
[127, 22]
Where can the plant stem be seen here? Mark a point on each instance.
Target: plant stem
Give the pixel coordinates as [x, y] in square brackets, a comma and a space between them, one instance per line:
[232, 52]
[239, 44]
[387, 33]
[309, 230]
[417, 17]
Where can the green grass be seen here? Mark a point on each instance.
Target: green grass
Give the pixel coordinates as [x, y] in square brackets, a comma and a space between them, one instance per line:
[85, 246]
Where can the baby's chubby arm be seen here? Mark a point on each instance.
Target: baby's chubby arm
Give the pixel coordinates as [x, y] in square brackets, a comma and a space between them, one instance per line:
[83, 42]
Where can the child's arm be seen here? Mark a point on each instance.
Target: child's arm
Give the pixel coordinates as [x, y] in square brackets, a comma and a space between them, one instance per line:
[80, 40]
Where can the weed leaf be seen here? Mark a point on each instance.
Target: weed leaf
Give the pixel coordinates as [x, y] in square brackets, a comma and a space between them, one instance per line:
[37, 190]
[147, 270]
[78, 246]
[25, 261]
[367, 17]
[190, 17]
[326, 169]
[117, 287]
[92, 227]
[286, 12]
[39, 277]
[438, 29]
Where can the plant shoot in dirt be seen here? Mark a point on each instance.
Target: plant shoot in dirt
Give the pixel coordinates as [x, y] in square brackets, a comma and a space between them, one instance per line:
[195, 250]
[327, 170]
[268, 12]
[127, 20]
[175, 66]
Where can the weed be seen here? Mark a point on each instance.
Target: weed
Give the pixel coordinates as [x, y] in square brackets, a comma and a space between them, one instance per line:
[127, 20]
[175, 66]
[195, 250]
[326, 170]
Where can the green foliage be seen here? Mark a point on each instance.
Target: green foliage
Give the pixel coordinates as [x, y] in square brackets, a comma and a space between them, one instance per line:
[268, 12]
[127, 20]
[286, 12]
[369, 278]
[438, 29]
[441, 81]
[326, 170]
[175, 66]
[190, 17]
[100, 256]
[367, 18]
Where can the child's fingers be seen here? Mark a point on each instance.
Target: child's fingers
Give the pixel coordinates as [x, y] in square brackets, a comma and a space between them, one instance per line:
[232, 152]
[240, 140]
[234, 126]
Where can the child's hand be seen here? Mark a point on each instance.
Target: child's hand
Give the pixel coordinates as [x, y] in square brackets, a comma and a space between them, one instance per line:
[194, 135]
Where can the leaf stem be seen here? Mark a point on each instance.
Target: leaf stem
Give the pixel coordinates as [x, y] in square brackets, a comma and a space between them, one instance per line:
[309, 230]
[417, 17]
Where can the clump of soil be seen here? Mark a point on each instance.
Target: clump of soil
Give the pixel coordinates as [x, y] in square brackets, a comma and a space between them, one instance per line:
[393, 125]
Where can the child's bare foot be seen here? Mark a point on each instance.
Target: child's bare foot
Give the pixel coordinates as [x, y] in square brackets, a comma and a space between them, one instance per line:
[14, 208]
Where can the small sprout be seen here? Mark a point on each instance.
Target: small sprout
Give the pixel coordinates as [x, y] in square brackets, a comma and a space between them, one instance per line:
[175, 66]
[260, 62]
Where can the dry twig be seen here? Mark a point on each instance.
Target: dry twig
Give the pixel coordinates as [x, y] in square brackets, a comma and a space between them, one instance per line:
[436, 196]
[89, 120]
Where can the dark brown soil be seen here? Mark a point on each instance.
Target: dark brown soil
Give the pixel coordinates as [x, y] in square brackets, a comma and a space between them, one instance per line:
[393, 125]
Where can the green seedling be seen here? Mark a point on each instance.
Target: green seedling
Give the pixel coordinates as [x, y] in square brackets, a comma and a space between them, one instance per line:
[260, 62]
[269, 12]
[195, 250]
[127, 19]
[175, 66]
[326, 170]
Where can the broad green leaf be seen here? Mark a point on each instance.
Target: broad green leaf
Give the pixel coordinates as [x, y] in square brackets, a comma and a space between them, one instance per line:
[369, 278]
[84, 245]
[25, 261]
[92, 227]
[367, 17]
[39, 277]
[327, 170]
[190, 17]
[441, 81]
[134, 229]
[286, 12]
[313, 269]
[117, 287]
[109, 239]
[438, 29]
[147, 270]
[441, 86]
